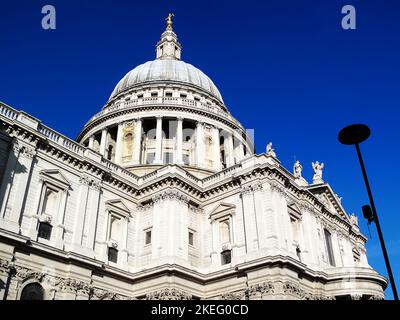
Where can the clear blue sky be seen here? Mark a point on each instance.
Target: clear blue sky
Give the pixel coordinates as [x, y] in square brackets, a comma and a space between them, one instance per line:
[285, 68]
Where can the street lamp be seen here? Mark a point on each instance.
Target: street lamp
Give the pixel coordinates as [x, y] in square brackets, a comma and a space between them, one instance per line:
[354, 135]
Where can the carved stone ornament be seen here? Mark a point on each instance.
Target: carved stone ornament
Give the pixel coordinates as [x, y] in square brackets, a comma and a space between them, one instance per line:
[260, 289]
[170, 195]
[238, 295]
[294, 289]
[26, 152]
[168, 294]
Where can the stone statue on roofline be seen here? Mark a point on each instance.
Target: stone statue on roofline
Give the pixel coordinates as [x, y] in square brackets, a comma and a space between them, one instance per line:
[270, 151]
[317, 167]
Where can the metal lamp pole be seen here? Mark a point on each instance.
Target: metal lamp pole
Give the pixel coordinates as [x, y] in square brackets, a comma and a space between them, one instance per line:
[354, 135]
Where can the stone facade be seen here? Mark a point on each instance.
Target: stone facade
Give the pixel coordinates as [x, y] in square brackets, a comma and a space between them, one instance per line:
[162, 197]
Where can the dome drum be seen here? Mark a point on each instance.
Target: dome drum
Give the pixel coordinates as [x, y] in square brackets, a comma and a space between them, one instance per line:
[153, 140]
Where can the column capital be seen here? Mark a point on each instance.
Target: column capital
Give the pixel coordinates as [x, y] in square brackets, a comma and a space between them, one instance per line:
[158, 117]
[180, 118]
[200, 123]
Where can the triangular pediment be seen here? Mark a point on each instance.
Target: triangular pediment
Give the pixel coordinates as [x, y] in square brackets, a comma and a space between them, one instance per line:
[55, 177]
[222, 210]
[330, 200]
[294, 210]
[118, 206]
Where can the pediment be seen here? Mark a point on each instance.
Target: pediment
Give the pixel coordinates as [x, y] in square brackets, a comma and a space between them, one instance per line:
[55, 177]
[330, 200]
[222, 210]
[294, 210]
[119, 207]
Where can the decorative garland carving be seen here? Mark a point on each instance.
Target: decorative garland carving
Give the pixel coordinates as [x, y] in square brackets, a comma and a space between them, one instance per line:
[168, 294]
[237, 295]
[171, 195]
[296, 290]
[260, 289]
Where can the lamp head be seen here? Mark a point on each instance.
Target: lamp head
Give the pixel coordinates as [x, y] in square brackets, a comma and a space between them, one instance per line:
[354, 134]
[367, 213]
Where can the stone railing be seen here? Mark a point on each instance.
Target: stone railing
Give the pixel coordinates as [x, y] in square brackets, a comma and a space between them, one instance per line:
[8, 112]
[59, 139]
[222, 174]
[120, 105]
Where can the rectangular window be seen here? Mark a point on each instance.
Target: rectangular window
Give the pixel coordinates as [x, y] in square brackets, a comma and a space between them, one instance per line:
[140, 96]
[150, 158]
[154, 94]
[112, 255]
[147, 239]
[168, 94]
[329, 248]
[184, 96]
[168, 157]
[191, 238]
[226, 257]
[356, 255]
[44, 230]
[186, 159]
[196, 98]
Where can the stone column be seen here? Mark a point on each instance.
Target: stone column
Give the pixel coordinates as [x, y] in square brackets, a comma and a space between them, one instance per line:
[24, 168]
[276, 194]
[103, 141]
[249, 219]
[179, 138]
[122, 247]
[119, 143]
[216, 149]
[95, 192]
[158, 157]
[240, 152]
[80, 213]
[59, 222]
[138, 141]
[230, 161]
[307, 235]
[259, 195]
[8, 176]
[91, 142]
[200, 152]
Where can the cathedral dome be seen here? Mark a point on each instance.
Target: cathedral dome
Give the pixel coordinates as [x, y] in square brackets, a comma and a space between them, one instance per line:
[166, 111]
[161, 70]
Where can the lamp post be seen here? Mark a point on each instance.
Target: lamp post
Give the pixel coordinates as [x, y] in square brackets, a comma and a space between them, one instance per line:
[354, 135]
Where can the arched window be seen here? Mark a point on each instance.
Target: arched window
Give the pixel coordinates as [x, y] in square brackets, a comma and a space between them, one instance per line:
[115, 229]
[32, 291]
[50, 202]
[128, 146]
[224, 229]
